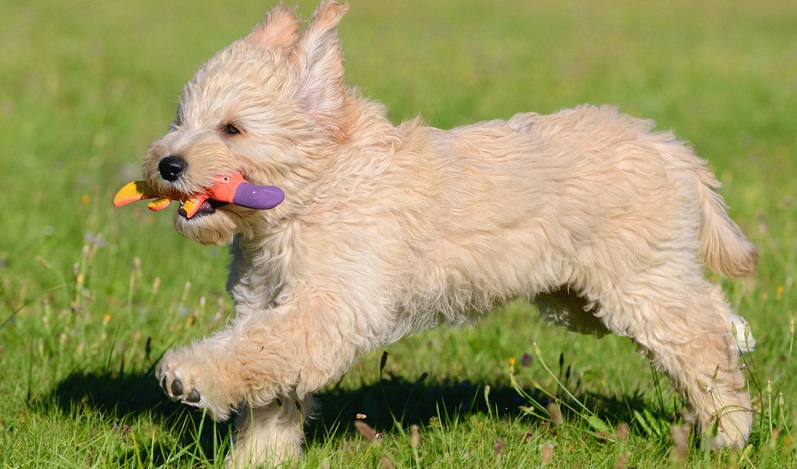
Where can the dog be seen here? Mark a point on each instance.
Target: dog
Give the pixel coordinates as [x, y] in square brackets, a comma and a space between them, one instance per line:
[387, 230]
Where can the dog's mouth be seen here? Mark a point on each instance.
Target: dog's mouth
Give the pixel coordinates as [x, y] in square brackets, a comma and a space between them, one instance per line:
[206, 207]
[229, 189]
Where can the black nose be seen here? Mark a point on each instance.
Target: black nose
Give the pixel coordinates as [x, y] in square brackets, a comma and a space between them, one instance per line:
[171, 167]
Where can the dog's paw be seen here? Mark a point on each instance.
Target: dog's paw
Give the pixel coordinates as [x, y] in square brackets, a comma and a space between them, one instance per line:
[176, 381]
[188, 379]
[178, 388]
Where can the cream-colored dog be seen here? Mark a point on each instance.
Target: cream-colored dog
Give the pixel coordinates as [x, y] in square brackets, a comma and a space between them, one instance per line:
[386, 230]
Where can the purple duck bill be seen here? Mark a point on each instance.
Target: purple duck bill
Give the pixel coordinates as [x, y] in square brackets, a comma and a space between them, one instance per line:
[258, 197]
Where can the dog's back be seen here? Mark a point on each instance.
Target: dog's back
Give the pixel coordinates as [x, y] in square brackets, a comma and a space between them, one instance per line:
[540, 202]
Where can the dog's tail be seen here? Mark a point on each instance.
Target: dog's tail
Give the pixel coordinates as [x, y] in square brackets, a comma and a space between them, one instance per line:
[723, 246]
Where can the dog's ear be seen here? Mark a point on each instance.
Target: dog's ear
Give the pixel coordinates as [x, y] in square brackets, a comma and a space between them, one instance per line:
[280, 30]
[319, 60]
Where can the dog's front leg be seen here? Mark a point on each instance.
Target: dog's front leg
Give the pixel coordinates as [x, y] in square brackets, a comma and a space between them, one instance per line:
[194, 375]
[292, 350]
[206, 375]
[270, 435]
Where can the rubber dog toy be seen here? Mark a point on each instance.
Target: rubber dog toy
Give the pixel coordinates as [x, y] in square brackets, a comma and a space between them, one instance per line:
[231, 189]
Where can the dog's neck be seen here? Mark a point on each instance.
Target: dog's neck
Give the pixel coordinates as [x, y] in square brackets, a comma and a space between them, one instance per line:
[366, 122]
[260, 267]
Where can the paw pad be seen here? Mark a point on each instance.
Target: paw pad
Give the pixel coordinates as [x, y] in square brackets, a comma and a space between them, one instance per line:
[177, 387]
[177, 391]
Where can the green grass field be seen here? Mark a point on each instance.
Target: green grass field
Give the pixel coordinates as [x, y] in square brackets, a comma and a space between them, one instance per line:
[90, 297]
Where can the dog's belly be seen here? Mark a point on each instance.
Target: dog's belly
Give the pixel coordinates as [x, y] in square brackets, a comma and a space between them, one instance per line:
[565, 307]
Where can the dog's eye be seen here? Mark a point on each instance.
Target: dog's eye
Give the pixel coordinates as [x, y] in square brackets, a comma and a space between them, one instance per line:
[230, 129]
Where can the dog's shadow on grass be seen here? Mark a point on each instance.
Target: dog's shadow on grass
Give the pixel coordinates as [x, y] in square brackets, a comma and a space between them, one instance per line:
[396, 400]
[127, 400]
[124, 398]
[116, 395]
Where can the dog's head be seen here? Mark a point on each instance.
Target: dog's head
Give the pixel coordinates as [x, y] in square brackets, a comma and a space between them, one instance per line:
[269, 106]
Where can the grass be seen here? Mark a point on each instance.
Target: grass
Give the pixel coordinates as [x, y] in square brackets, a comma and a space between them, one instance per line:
[90, 296]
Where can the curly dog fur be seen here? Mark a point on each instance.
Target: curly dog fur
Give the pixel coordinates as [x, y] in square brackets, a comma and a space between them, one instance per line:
[387, 230]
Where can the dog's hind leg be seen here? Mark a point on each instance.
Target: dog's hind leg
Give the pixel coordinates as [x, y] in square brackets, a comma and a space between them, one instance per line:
[269, 436]
[684, 323]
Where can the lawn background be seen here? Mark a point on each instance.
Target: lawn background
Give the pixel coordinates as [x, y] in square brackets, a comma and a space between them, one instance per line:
[91, 296]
